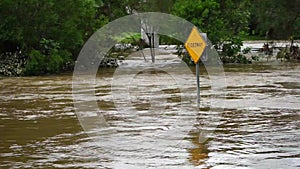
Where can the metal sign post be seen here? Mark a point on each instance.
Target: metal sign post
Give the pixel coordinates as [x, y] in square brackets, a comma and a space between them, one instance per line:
[195, 45]
[203, 56]
[198, 84]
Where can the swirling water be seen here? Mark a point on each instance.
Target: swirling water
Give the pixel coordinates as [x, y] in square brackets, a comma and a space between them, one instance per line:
[258, 128]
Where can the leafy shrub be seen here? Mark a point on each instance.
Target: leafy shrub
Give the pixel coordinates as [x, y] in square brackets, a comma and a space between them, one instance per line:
[49, 45]
[55, 62]
[35, 64]
[230, 47]
[231, 52]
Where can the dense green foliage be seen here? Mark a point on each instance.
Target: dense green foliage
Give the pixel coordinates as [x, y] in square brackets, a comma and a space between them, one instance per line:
[221, 20]
[50, 33]
[275, 19]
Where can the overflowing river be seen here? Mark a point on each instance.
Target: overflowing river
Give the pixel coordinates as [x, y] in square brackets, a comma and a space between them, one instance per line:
[259, 126]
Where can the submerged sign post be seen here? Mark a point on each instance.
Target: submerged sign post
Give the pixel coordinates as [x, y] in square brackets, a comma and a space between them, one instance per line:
[195, 45]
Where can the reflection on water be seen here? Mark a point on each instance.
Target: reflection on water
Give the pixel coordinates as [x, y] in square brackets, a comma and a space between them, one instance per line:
[199, 153]
[259, 127]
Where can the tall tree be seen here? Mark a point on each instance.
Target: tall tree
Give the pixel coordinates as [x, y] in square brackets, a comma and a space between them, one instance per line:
[48, 32]
[221, 19]
[67, 22]
[276, 19]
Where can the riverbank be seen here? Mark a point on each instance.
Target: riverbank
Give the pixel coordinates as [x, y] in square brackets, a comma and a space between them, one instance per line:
[12, 64]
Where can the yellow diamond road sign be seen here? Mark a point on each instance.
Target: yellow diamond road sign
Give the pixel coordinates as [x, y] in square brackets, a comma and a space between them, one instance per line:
[195, 45]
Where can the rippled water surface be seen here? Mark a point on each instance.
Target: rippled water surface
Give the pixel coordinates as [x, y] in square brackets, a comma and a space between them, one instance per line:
[258, 128]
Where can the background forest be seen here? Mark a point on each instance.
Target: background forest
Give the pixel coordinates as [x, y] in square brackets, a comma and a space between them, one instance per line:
[45, 36]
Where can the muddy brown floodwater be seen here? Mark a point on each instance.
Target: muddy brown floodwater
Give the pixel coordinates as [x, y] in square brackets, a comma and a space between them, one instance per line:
[258, 128]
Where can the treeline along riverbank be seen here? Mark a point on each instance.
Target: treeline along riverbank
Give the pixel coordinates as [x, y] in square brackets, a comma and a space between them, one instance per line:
[45, 37]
